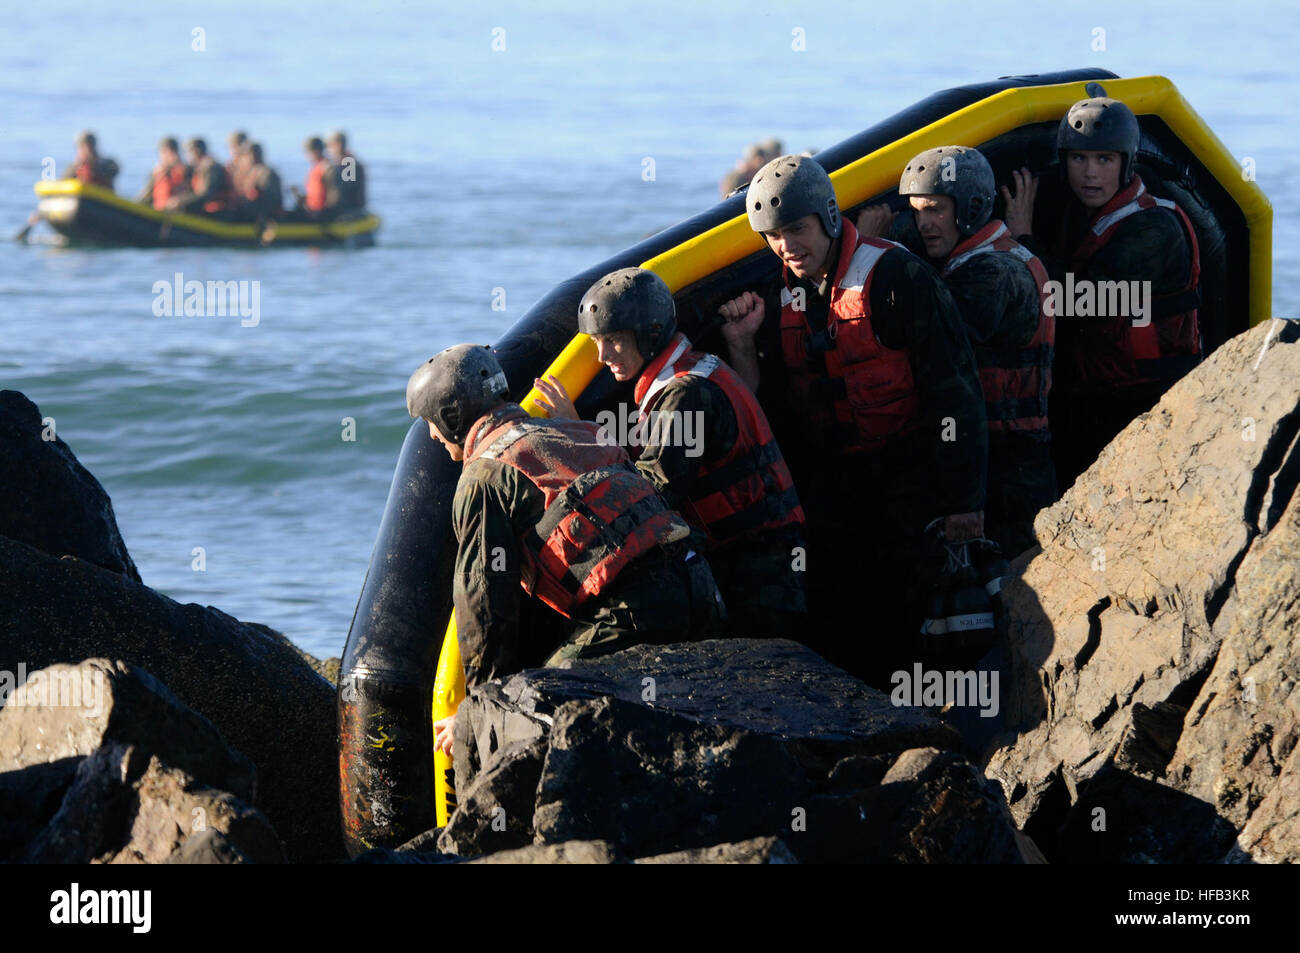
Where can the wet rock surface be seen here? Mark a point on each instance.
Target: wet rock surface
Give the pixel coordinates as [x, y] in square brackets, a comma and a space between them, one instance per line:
[681, 748]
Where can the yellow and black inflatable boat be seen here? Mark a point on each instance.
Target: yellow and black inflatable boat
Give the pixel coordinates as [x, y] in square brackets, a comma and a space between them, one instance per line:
[90, 214]
[390, 788]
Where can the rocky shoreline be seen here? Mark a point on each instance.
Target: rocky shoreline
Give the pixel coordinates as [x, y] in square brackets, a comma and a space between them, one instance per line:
[1147, 706]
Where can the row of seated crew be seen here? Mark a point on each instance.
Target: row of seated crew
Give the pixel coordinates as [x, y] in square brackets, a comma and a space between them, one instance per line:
[246, 188]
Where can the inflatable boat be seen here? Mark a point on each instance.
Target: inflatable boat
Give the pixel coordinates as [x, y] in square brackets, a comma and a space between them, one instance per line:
[391, 787]
[90, 214]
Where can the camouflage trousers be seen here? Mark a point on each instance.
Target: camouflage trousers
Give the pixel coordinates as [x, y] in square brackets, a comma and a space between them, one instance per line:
[657, 599]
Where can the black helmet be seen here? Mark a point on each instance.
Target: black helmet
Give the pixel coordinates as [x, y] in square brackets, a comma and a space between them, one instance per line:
[962, 174]
[631, 299]
[456, 387]
[1102, 125]
[787, 189]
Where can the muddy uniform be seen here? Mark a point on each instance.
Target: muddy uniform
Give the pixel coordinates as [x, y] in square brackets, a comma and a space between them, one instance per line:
[758, 571]
[658, 596]
[867, 510]
[1087, 409]
[999, 304]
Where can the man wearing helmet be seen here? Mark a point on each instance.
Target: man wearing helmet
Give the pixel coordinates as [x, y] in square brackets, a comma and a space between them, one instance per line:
[1000, 290]
[733, 484]
[547, 507]
[1113, 230]
[885, 395]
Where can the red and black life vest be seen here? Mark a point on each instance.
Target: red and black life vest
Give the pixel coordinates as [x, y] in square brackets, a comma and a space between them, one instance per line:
[866, 397]
[601, 513]
[168, 183]
[749, 489]
[1015, 380]
[1169, 344]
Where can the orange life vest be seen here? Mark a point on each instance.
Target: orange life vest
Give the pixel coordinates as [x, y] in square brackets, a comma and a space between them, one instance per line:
[1169, 344]
[1015, 381]
[749, 489]
[866, 398]
[168, 183]
[601, 513]
[316, 194]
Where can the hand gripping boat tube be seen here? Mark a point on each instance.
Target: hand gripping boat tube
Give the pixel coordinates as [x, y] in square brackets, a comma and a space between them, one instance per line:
[387, 776]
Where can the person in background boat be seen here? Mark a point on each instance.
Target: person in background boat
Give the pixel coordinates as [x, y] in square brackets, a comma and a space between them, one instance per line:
[1000, 288]
[209, 191]
[262, 198]
[89, 166]
[548, 509]
[1117, 366]
[756, 156]
[320, 200]
[168, 177]
[240, 162]
[351, 173]
[865, 370]
[705, 444]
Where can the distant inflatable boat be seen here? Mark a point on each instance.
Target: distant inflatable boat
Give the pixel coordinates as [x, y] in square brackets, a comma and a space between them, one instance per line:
[91, 214]
[391, 788]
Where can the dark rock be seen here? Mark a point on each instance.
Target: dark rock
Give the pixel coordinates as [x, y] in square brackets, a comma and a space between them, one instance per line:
[933, 807]
[649, 781]
[262, 697]
[50, 500]
[770, 686]
[1122, 818]
[70, 711]
[207, 847]
[29, 797]
[125, 806]
[496, 812]
[662, 748]
[64, 713]
[758, 850]
[1167, 582]
[570, 852]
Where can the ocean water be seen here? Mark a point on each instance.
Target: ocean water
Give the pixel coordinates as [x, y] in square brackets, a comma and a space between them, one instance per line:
[508, 168]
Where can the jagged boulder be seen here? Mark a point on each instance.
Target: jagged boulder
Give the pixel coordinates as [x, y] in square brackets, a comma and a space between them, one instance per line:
[263, 698]
[678, 749]
[1166, 577]
[125, 806]
[50, 500]
[99, 761]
